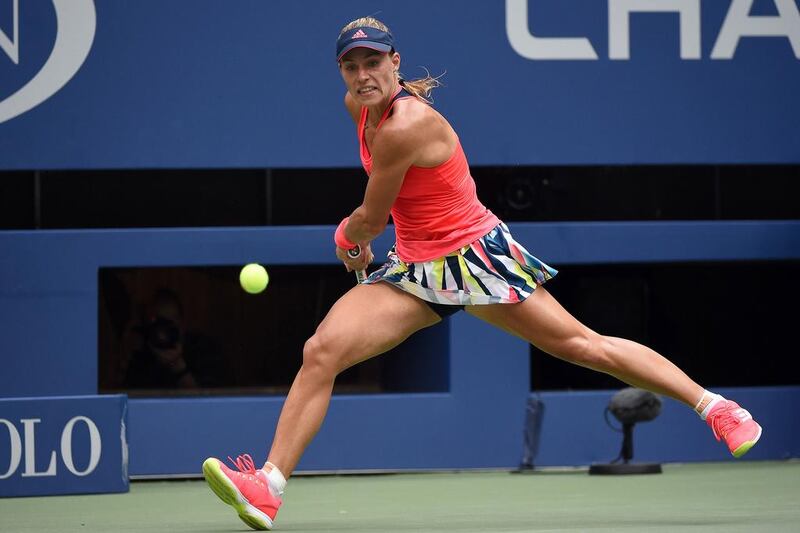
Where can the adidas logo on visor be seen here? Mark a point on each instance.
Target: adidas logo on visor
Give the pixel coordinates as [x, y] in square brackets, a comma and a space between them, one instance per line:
[359, 35]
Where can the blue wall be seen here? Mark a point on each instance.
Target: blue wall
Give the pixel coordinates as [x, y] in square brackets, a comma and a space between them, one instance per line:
[48, 346]
[48, 279]
[204, 83]
[207, 84]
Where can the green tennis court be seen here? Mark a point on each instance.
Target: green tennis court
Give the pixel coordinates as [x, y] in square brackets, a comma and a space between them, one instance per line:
[730, 496]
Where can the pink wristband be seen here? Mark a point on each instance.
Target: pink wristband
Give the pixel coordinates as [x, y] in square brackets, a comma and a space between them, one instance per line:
[339, 237]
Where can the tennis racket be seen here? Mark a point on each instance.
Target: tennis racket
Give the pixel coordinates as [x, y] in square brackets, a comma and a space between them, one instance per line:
[352, 253]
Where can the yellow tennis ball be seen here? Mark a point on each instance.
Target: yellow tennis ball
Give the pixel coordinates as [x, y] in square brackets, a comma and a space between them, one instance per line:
[253, 278]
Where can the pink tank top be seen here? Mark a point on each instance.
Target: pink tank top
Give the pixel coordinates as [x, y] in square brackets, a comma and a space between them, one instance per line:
[436, 211]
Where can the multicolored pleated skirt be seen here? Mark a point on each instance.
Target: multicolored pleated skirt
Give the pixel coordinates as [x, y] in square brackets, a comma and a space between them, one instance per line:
[494, 269]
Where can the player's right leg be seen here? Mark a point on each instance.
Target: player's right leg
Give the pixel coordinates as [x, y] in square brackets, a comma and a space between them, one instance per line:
[246, 489]
[365, 322]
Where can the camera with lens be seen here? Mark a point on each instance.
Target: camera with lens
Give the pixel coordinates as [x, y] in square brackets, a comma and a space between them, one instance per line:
[162, 333]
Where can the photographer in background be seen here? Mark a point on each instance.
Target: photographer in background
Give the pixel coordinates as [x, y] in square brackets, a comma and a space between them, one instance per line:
[168, 356]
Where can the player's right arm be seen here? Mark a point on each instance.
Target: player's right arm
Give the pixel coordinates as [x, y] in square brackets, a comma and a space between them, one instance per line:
[353, 107]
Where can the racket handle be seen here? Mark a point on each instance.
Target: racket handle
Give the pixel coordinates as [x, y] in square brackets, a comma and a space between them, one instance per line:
[352, 253]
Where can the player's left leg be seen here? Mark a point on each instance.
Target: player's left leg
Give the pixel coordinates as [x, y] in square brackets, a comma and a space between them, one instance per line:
[542, 321]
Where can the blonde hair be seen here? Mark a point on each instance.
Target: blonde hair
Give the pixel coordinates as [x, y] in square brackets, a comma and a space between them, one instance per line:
[420, 87]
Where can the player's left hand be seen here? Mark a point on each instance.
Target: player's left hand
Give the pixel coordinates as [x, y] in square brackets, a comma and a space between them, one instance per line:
[357, 263]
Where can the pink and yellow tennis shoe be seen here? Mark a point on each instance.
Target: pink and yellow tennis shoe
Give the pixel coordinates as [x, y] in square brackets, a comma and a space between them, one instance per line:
[246, 490]
[735, 426]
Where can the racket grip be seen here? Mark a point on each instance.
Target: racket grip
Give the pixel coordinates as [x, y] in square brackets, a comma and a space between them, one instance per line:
[352, 253]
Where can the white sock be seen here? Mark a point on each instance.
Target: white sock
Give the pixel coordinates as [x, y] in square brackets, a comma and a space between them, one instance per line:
[277, 482]
[715, 399]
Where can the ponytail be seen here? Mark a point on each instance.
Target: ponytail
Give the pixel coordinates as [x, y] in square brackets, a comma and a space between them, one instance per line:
[421, 87]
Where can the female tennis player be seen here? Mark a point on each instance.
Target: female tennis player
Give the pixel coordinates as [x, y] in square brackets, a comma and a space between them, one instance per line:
[451, 254]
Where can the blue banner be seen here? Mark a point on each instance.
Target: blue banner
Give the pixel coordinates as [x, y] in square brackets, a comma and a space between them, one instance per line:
[253, 83]
[63, 445]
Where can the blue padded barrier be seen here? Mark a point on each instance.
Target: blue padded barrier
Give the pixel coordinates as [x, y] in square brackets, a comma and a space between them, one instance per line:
[48, 306]
[63, 445]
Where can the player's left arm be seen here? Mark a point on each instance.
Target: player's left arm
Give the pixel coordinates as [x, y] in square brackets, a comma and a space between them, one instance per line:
[396, 147]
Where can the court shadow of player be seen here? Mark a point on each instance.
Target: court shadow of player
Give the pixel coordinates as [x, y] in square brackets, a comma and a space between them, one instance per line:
[167, 354]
